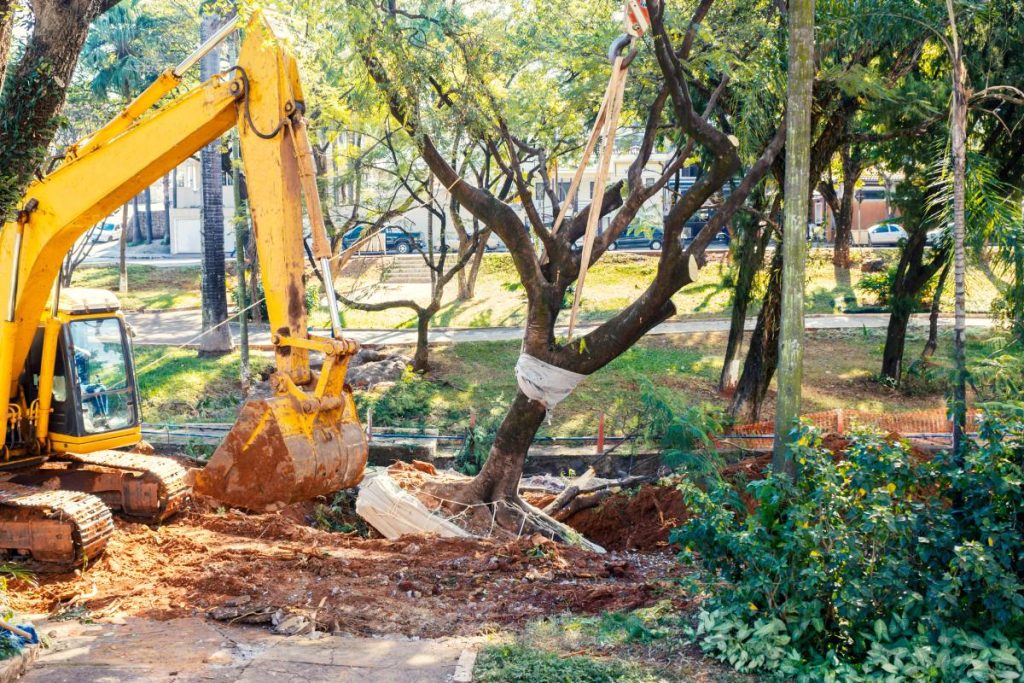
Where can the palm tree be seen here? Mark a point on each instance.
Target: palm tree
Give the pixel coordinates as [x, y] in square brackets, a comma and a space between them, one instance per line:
[119, 53]
[118, 50]
[217, 339]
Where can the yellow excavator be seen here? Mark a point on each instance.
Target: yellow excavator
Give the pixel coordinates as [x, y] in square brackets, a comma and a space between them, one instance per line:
[66, 372]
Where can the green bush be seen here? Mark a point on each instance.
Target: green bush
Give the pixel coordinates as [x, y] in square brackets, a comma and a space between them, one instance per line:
[880, 286]
[874, 566]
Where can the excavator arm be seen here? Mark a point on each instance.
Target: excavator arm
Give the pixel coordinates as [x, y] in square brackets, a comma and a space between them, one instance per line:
[303, 441]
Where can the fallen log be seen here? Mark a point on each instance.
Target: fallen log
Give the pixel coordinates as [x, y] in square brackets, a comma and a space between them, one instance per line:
[583, 501]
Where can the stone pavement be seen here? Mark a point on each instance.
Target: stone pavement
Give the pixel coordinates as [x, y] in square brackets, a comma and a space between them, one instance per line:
[194, 649]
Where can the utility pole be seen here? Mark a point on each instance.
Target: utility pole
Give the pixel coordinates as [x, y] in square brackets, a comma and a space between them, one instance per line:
[794, 241]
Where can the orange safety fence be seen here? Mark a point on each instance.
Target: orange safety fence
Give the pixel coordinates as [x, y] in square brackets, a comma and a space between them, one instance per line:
[927, 426]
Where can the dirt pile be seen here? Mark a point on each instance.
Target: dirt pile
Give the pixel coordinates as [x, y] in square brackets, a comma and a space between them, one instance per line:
[418, 586]
[636, 520]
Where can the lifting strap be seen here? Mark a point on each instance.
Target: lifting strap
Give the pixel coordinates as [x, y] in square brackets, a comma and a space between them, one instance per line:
[621, 53]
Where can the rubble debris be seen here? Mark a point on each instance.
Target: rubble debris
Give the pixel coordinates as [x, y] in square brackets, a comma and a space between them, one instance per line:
[370, 367]
[246, 568]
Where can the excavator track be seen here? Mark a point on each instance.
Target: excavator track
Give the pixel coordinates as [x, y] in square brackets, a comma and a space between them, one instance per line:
[158, 490]
[146, 488]
[58, 529]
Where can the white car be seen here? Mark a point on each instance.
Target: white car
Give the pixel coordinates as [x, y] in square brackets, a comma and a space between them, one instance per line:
[885, 233]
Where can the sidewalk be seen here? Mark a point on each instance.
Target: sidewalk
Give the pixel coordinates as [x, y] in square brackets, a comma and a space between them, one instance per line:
[174, 328]
[190, 650]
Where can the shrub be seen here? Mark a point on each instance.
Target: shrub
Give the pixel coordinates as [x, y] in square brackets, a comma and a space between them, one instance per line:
[876, 565]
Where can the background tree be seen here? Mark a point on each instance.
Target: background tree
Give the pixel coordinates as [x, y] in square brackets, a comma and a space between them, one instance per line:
[217, 337]
[794, 231]
[34, 89]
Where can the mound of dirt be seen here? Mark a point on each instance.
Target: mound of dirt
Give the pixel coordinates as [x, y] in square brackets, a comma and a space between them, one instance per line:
[640, 521]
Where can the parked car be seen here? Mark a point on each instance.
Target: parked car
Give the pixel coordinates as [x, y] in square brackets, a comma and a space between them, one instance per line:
[639, 238]
[396, 240]
[885, 234]
[109, 232]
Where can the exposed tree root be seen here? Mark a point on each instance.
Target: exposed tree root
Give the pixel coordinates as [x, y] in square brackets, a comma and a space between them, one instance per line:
[466, 505]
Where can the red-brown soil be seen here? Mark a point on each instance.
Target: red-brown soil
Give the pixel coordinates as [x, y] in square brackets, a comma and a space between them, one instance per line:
[417, 586]
[638, 520]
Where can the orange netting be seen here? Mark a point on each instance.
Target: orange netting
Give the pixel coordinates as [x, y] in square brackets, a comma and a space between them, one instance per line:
[921, 425]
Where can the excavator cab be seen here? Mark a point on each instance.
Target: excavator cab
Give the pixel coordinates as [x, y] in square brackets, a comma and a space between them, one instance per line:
[80, 371]
[94, 397]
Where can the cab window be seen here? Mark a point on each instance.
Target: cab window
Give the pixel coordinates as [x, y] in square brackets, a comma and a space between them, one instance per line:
[101, 372]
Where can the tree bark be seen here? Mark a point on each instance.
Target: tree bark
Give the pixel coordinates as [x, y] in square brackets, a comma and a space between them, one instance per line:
[34, 91]
[794, 243]
[217, 340]
[958, 142]
[167, 209]
[932, 344]
[149, 215]
[762, 356]
[6, 33]
[136, 221]
[122, 252]
[421, 359]
[842, 206]
[912, 274]
[751, 259]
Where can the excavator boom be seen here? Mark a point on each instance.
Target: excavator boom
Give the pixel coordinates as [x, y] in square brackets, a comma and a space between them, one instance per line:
[305, 439]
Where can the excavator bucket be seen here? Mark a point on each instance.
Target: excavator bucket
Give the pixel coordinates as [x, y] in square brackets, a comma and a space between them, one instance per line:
[276, 454]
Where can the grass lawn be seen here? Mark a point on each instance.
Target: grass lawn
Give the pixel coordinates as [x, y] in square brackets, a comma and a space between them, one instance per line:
[500, 301]
[150, 288]
[642, 646]
[682, 369]
[617, 279]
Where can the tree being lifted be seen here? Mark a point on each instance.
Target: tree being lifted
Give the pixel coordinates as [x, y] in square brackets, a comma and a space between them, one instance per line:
[546, 275]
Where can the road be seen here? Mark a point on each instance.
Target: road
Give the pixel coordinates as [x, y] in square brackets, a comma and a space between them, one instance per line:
[175, 328]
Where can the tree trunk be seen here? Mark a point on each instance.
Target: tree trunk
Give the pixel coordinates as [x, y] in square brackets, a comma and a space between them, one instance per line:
[6, 33]
[498, 479]
[33, 92]
[895, 341]
[217, 340]
[122, 248]
[136, 221]
[149, 215]
[912, 274]
[420, 360]
[167, 209]
[933, 317]
[751, 258]
[762, 356]
[794, 242]
[852, 169]
[958, 143]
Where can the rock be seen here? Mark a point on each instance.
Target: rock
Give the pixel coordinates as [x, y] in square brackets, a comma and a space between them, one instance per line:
[371, 367]
[292, 625]
[220, 657]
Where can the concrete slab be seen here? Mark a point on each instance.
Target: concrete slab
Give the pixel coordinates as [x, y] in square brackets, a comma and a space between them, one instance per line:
[199, 650]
